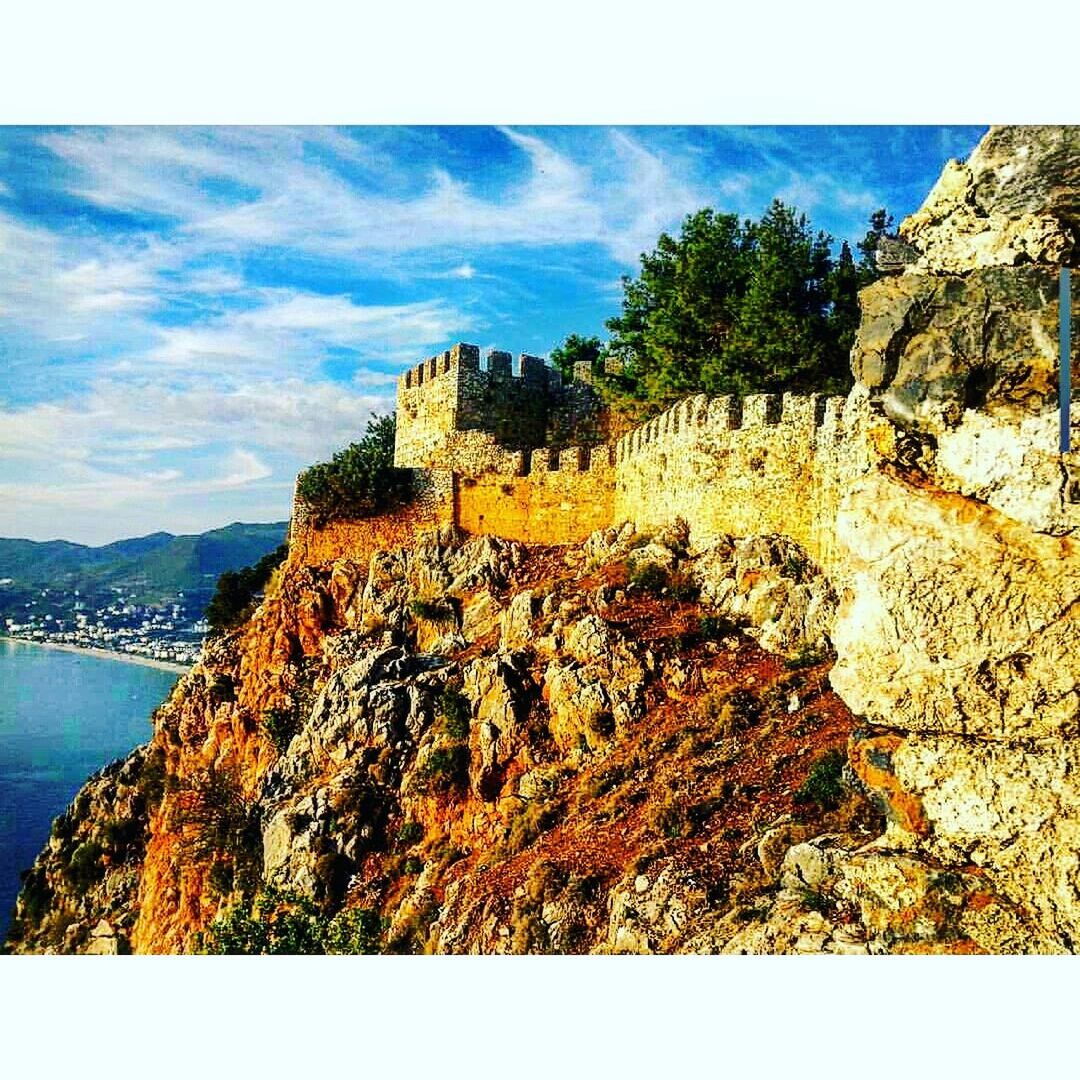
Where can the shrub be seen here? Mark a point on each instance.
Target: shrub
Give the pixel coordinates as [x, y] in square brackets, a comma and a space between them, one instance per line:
[681, 586]
[604, 780]
[278, 922]
[732, 712]
[823, 786]
[121, 835]
[85, 868]
[63, 827]
[795, 566]
[668, 818]
[715, 627]
[456, 710]
[222, 688]
[649, 576]
[527, 825]
[806, 656]
[411, 832]
[437, 610]
[413, 865]
[220, 878]
[153, 779]
[358, 481]
[445, 768]
[213, 818]
[653, 578]
[35, 894]
[234, 598]
[281, 725]
[355, 931]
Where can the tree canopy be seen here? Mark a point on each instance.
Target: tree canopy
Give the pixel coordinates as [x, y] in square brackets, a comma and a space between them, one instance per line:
[360, 480]
[574, 350]
[733, 306]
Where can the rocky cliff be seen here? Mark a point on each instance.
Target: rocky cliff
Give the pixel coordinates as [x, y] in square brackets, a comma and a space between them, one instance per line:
[429, 741]
[467, 746]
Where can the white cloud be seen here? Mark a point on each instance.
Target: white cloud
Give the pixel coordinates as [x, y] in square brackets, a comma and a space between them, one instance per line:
[245, 468]
[59, 287]
[276, 194]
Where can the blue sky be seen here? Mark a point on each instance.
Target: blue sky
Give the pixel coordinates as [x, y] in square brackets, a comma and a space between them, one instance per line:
[190, 315]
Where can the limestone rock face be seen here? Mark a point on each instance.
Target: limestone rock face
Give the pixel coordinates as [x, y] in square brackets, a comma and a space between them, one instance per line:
[930, 347]
[958, 568]
[1015, 201]
[955, 619]
[769, 584]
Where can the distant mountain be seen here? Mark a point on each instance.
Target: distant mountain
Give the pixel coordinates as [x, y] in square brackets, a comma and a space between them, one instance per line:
[154, 567]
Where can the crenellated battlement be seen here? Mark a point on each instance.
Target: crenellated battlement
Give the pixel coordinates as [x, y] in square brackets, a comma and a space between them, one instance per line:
[725, 465]
[523, 406]
[797, 418]
[531, 370]
[505, 433]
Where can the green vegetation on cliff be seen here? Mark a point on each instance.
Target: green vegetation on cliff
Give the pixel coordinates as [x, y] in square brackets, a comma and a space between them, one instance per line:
[151, 567]
[358, 481]
[236, 591]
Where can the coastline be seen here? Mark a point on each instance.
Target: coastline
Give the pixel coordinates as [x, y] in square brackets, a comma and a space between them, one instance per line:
[104, 654]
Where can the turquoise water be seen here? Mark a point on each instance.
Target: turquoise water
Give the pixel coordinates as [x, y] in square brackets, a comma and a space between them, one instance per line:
[63, 716]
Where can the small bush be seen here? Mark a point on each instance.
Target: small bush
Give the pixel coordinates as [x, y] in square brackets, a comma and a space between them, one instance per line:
[732, 712]
[35, 894]
[281, 725]
[681, 586]
[527, 825]
[153, 780]
[456, 710]
[234, 597]
[545, 881]
[668, 818]
[413, 865]
[437, 610]
[806, 656]
[795, 566]
[278, 922]
[120, 835]
[220, 878]
[410, 833]
[818, 901]
[650, 576]
[715, 627]
[354, 932]
[85, 868]
[604, 780]
[445, 768]
[823, 786]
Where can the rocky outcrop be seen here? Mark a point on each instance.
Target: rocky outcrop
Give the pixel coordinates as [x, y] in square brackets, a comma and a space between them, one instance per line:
[431, 779]
[958, 575]
[1014, 201]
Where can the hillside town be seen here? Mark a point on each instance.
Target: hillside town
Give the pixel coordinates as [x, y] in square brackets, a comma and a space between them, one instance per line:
[166, 632]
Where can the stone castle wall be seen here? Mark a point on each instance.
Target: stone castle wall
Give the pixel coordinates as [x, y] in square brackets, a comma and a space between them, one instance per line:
[558, 497]
[451, 395]
[764, 464]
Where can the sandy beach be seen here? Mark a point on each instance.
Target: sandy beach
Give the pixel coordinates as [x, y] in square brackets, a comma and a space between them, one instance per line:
[104, 654]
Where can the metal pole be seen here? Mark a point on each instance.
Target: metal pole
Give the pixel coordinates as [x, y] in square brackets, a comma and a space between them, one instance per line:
[1065, 326]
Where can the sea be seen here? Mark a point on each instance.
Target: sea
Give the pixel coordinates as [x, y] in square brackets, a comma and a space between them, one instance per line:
[63, 716]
